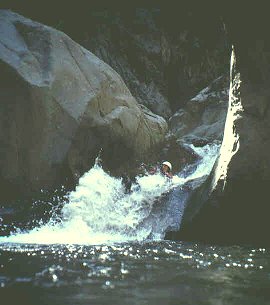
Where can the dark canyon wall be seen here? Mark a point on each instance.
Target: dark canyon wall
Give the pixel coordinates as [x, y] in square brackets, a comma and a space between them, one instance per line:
[233, 205]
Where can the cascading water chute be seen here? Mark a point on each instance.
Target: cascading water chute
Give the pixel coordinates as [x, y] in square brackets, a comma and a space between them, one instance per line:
[100, 210]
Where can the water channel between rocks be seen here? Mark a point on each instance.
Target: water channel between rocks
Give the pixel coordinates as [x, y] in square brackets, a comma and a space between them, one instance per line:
[108, 248]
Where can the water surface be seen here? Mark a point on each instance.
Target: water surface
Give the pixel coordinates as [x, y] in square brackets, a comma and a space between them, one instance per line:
[106, 247]
[162, 272]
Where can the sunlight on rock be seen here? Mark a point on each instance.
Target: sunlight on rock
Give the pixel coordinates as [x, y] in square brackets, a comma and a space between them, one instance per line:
[231, 141]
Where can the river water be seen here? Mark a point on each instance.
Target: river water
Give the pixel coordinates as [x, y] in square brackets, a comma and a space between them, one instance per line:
[107, 247]
[163, 272]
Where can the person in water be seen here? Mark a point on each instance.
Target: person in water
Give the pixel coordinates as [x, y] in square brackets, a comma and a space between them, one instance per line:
[166, 169]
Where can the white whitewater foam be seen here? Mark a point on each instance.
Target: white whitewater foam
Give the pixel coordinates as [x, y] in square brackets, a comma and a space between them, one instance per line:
[208, 154]
[100, 211]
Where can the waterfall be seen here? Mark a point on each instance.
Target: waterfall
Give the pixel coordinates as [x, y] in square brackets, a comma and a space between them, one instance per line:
[100, 210]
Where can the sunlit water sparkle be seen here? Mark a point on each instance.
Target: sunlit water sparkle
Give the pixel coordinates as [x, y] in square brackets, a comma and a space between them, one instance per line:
[163, 272]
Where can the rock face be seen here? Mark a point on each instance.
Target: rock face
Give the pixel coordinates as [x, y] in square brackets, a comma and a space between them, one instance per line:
[59, 105]
[202, 120]
[232, 204]
[163, 61]
[165, 53]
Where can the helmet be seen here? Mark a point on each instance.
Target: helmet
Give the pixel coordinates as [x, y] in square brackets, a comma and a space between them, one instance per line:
[168, 164]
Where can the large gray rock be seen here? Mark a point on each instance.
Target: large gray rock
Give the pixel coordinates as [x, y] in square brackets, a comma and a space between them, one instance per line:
[202, 120]
[59, 105]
